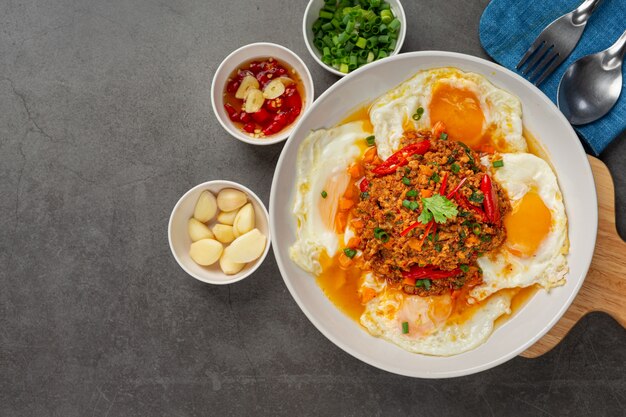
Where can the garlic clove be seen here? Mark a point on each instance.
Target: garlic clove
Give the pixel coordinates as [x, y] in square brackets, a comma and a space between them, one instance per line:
[248, 247]
[206, 207]
[273, 89]
[206, 251]
[229, 267]
[230, 199]
[247, 83]
[253, 101]
[223, 233]
[227, 217]
[198, 230]
[244, 222]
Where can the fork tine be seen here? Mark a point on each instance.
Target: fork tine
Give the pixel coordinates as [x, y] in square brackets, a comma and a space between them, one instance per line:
[543, 64]
[534, 48]
[536, 60]
[555, 63]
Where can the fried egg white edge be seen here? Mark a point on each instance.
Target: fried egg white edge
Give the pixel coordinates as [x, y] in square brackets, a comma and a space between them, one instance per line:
[322, 153]
[389, 112]
[447, 340]
[548, 266]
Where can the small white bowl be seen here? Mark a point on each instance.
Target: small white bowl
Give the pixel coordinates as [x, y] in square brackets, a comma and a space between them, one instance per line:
[247, 53]
[180, 241]
[312, 13]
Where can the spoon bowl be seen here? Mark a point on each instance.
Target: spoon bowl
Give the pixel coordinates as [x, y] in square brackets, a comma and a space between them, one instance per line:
[592, 85]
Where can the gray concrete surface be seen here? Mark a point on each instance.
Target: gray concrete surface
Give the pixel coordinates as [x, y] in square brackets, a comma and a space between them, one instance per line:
[105, 121]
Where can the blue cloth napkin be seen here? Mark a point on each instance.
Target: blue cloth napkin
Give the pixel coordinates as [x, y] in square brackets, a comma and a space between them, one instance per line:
[507, 29]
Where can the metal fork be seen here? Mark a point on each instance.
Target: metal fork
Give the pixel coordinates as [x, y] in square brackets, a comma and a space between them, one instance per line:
[556, 42]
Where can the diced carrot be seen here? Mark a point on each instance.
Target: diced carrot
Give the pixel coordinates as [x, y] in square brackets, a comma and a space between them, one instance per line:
[415, 244]
[367, 294]
[409, 281]
[357, 223]
[356, 171]
[345, 203]
[341, 221]
[344, 261]
[350, 191]
[354, 242]
[370, 154]
[438, 129]
[426, 193]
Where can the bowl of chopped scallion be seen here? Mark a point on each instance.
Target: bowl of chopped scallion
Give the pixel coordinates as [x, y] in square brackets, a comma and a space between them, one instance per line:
[343, 35]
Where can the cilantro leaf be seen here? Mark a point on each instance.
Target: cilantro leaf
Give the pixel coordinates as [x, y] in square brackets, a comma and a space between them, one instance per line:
[437, 207]
[425, 216]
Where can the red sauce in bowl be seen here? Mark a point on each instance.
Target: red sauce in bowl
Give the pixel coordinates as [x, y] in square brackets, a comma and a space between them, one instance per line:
[277, 112]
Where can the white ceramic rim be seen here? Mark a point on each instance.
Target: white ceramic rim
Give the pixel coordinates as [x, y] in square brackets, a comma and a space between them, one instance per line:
[306, 77]
[585, 257]
[307, 41]
[250, 194]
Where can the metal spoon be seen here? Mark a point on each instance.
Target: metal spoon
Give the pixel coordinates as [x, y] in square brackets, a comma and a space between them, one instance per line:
[591, 86]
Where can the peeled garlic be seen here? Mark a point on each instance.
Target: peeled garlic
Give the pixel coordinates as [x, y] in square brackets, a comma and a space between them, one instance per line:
[229, 267]
[244, 222]
[230, 199]
[254, 101]
[227, 217]
[206, 207]
[248, 82]
[246, 248]
[273, 89]
[206, 251]
[223, 233]
[198, 230]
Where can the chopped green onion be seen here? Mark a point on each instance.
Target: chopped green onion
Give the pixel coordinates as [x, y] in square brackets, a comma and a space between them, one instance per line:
[406, 203]
[413, 205]
[476, 229]
[365, 195]
[498, 163]
[361, 43]
[344, 68]
[406, 181]
[418, 113]
[455, 168]
[371, 140]
[424, 283]
[324, 194]
[386, 16]
[405, 327]
[349, 252]
[324, 14]
[443, 136]
[435, 177]
[464, 268]
[394, 25]
[477, 197]
[411, 193]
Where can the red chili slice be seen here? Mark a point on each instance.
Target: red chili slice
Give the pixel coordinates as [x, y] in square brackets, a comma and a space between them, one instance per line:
[399, 159]
[457, 188]
[261, 116]
[364, 185]
[249, 127]
[232, 113]
[490, 202]
[430, 272]
[463, 202]
[444, 184]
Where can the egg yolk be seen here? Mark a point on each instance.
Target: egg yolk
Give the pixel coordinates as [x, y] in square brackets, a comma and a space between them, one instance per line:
[460, 111]
[527, 224]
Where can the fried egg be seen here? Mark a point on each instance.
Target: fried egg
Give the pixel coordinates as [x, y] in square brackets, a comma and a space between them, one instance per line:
[473, 110]
[536, 245]
[434, 328]
[322, 163]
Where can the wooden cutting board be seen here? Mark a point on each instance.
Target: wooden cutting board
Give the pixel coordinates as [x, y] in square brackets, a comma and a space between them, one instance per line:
[604, 288]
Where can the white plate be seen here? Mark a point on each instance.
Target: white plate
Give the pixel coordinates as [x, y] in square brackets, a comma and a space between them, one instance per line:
[541, 118]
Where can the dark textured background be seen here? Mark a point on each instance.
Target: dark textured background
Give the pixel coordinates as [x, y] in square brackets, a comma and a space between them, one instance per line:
[105, 121]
